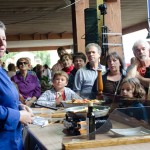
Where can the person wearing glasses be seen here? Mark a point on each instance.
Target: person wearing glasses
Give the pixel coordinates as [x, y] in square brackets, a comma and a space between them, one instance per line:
[27, 84]
[12, 112]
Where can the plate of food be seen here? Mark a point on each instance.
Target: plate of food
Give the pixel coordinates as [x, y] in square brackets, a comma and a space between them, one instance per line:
[138, 131]
[79, 102]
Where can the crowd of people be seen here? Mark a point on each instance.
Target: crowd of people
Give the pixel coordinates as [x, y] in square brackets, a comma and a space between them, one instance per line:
[71, 77]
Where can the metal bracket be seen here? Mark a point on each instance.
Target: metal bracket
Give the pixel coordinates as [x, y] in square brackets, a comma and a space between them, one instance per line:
[117, 34]
[112, 44]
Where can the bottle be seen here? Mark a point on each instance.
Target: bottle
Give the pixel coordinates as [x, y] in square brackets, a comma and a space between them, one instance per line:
[90, 121]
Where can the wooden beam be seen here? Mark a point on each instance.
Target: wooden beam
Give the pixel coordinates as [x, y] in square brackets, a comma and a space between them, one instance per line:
[46, 48]
[78, 24]
[113, 22]
[136, 27]
[38, 36]
[100, 19]
[110, 0]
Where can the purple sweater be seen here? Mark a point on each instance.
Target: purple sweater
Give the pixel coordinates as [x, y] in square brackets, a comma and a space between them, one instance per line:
[28, 87]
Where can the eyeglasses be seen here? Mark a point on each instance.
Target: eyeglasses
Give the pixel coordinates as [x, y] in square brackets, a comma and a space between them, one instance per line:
[21, 63]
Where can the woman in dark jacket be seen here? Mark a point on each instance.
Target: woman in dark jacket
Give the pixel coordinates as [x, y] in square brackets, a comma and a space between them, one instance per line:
[114, 74]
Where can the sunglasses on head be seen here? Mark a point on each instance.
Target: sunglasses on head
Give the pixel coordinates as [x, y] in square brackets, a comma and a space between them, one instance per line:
[21, 63]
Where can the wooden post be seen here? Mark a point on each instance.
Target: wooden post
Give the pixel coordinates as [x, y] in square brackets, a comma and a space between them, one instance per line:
[78, 24]
[113, 22]
[100, 19]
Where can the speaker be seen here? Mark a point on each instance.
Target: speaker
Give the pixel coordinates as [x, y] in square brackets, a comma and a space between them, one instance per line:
[91, 26]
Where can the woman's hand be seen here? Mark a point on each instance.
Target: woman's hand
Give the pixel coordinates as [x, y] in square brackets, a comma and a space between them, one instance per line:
[21, 98]
[25, 117]
[25, 107]
[30, 101]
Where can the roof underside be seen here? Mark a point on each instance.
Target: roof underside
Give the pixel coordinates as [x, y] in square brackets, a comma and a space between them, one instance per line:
[54, 17]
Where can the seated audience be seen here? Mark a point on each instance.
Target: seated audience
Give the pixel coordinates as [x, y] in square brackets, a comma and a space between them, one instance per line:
[11, 70]
[79, 60]
[86, 76]
[58, 92]
[140, 68]
[66, 59]
[131, 88]
[27, 83]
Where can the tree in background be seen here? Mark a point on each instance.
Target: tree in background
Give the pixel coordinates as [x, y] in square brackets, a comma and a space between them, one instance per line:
[43, 55]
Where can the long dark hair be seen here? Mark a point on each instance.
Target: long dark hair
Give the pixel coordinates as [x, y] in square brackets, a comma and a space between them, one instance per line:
[115, 55]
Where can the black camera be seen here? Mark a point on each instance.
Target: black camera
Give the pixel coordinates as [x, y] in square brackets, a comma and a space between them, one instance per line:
[103, 9]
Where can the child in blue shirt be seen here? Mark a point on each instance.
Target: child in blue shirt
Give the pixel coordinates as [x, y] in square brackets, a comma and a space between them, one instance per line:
[132, 89]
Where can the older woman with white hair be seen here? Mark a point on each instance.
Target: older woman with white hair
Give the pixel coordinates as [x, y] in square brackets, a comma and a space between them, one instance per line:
[28, 85]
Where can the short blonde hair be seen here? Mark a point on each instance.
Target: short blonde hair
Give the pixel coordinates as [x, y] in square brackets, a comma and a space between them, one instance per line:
[20, 59]
[61, 73]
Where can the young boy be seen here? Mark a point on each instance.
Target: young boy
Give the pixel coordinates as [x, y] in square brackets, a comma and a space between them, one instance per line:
[58, 92]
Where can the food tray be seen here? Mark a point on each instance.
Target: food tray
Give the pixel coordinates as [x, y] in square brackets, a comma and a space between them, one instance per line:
[67, 104]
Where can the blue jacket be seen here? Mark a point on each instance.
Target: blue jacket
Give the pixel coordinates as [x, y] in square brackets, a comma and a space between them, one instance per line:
[10, 127]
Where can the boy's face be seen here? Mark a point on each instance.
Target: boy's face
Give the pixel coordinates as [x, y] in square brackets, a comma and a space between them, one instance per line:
[59, 82]
[78, 63]
[127, 90]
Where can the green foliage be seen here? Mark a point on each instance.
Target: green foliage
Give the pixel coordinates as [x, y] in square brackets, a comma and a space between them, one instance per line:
[45, 85]
[43, 55]
[9, 55]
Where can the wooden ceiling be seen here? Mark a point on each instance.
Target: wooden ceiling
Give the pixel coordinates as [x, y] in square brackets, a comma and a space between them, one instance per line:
[54, 16]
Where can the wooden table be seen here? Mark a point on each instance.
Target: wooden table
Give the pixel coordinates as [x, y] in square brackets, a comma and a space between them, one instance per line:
[51, 138]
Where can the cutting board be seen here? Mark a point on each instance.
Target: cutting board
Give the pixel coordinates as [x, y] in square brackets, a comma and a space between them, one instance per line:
[44, 112]
[106, 142]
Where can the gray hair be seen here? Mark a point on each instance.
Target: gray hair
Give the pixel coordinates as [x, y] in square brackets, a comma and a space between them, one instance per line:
[93, 44]
[2, 26]
[141, 42]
